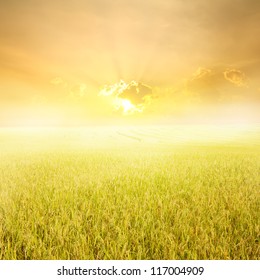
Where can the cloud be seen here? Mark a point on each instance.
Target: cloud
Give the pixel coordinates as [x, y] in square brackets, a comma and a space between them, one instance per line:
[58, 81]
[200, 73]
[236, 77]
[203, 86]
[70, 89]
[78, 90]
[218, 84]
[136, 92]
[130, 97]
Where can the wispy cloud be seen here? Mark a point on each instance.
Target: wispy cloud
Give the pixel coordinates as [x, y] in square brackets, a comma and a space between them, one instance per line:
[236, 77]
[78, 90]
[58, 81]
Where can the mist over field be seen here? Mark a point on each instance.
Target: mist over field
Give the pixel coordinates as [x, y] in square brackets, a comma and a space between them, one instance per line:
[171, 192]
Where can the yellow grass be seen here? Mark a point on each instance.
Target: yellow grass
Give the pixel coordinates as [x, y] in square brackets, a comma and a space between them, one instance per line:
[176, 192]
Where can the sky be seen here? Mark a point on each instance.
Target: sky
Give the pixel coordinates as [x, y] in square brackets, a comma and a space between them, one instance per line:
[126, 61]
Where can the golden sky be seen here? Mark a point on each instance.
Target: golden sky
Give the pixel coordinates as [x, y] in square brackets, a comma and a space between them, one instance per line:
[173, 59]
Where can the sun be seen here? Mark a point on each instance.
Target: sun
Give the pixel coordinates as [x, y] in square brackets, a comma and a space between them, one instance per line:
[126, 106]
[127, 97]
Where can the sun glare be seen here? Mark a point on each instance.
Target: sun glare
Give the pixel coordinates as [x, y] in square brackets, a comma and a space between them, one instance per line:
[135, 103]
[126, 106]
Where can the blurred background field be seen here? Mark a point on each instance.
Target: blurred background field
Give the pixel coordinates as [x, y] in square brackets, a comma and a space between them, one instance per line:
[154, 192]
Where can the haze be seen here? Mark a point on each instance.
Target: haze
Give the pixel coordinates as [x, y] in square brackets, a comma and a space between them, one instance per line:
[199, 59]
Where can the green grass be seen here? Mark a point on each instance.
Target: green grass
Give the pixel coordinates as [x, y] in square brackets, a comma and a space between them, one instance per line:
[121, 198]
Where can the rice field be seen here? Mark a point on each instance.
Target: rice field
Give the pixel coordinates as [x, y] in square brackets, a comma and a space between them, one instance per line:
[176, 192]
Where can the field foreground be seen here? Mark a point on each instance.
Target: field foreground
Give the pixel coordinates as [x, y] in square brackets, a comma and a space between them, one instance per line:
[130, 193]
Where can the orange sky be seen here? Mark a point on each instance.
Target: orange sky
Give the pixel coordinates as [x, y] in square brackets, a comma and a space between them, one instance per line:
[199, 58]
